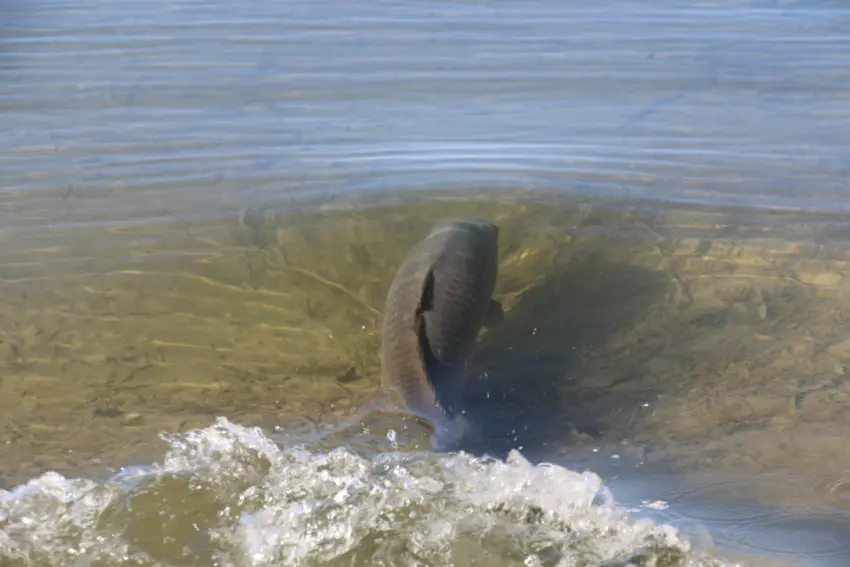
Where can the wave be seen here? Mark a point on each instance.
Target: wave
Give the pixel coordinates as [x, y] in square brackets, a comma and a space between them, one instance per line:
[228, 495]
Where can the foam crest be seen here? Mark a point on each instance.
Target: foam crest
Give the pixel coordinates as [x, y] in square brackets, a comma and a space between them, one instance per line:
[229, 496]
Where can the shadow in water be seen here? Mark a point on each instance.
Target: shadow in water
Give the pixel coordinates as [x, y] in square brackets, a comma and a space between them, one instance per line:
[527, 387]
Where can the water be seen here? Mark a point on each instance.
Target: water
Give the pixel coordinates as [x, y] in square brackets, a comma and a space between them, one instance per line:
[203, 204]
[228, 495]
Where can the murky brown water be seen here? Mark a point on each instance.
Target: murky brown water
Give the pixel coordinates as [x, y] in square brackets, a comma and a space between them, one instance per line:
[202, 206]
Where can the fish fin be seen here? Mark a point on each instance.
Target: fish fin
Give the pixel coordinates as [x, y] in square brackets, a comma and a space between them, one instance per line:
[426, 354]
[494, 315]
[426, 303]
[426, 299]
[440, 378]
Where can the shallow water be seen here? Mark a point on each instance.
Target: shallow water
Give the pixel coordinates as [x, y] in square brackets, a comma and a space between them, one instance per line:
[203, 205]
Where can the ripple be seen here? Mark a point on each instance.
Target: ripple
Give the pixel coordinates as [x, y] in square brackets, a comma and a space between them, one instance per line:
[713, 502]
[800, 533]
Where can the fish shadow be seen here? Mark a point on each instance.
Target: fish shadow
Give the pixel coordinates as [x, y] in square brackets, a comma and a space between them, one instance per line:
[527, 388]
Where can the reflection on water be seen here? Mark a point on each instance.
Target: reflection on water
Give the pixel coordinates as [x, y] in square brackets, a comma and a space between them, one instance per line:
[186, 107]
[202, 206]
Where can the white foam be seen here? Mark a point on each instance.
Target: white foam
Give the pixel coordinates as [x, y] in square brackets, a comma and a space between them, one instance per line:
[257, 504]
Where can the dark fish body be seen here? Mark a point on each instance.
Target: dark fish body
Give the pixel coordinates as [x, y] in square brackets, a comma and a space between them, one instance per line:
[438, 302]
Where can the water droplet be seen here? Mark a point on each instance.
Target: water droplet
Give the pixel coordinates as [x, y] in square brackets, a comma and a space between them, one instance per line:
[655, 504]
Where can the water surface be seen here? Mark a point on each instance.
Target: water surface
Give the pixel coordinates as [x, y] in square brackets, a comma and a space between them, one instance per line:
[203, 205]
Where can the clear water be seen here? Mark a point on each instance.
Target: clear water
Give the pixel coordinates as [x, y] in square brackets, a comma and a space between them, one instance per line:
[203, 204]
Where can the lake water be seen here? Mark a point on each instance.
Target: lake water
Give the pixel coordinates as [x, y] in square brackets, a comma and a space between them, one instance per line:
[203, 204]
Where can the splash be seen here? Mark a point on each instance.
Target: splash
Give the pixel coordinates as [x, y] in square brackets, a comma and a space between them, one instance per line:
[229, 496]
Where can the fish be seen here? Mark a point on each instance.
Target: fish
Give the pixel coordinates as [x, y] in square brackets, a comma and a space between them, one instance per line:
[439, 300]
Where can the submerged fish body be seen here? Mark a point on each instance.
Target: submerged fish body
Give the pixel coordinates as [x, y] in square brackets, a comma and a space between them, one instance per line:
[438, 302]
